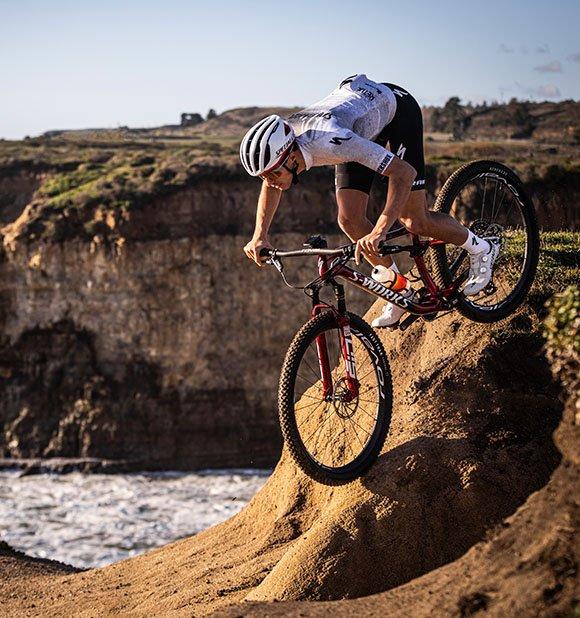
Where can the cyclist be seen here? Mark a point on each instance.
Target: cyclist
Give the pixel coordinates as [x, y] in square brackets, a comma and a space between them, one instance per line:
[350, 129]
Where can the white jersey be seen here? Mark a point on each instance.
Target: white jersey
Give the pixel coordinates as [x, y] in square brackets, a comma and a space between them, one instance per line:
[340, 128]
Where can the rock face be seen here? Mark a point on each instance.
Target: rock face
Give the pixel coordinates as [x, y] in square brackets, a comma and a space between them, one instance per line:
[160, 344]
[165, 352]
[16, 190]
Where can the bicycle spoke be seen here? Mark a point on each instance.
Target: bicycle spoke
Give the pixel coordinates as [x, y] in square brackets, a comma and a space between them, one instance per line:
[299, 375]
[329, 443]
[310, 397]
[356, 434]
[316, 403]
[494, 211]
[314, 372]
[484, 192]
[310, 414]
[321, 425]
[367, 374]
[511, 205]
[494, 196]
[360, 367]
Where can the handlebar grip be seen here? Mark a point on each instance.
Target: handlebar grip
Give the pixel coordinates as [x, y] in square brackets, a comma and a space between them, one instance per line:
[265, 252]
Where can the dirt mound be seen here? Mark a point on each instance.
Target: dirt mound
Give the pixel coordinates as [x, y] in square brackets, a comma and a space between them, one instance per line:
[528, 565]
[470, 440]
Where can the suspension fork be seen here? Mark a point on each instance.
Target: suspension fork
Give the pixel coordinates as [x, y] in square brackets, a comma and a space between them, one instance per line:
[347, 348]
[321, 344]
[348, 356]
[322, 351]
[346, 341]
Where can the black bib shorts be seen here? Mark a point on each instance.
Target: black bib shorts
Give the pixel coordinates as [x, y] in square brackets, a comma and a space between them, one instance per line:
[404, 135]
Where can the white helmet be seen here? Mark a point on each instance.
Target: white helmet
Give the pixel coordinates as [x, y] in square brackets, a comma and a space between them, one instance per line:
[266, 144]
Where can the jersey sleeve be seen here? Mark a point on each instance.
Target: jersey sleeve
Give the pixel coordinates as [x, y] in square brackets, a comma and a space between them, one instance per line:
[344, 146]
[367, 153]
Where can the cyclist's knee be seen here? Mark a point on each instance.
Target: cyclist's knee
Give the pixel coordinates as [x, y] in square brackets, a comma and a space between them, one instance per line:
[348, 221]
[416, 224]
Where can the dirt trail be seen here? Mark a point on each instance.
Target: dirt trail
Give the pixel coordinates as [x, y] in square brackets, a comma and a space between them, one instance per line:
[471, 439]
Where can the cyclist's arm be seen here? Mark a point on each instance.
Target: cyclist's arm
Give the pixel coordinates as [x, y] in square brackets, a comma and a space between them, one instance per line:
[401, 176]
[267, 205]
[353, 147]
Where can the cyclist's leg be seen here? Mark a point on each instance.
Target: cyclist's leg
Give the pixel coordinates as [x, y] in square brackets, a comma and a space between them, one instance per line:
[353, 186]
[405, 137]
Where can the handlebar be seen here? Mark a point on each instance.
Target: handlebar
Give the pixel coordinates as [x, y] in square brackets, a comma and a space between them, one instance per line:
[346, 251]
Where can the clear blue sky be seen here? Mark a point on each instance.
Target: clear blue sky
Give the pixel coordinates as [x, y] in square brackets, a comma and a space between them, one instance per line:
[66, 64]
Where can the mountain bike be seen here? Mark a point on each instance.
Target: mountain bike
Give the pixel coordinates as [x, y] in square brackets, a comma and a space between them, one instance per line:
[335, 392]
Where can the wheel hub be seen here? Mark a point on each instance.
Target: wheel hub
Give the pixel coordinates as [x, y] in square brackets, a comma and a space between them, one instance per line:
[344, 404]
[486, 229]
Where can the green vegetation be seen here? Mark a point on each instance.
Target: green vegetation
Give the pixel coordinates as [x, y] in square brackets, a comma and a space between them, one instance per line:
[558, 266]
[562, 326]
[561, 329]
[87, 175]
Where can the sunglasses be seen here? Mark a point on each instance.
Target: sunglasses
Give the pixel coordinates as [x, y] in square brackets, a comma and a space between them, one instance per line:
[284, 166]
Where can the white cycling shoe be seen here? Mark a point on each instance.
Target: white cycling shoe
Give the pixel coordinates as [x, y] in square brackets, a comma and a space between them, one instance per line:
[391, 313]
[481, 269]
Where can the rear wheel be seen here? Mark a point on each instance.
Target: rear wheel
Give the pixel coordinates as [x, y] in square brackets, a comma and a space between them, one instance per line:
[490, 200]
[336, 437]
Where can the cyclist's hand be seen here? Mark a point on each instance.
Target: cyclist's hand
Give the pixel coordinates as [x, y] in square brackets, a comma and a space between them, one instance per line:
[252, 250]
[368, 245]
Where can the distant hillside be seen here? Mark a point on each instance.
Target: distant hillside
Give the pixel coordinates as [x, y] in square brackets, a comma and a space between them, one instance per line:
[545, 122]
[514, 120]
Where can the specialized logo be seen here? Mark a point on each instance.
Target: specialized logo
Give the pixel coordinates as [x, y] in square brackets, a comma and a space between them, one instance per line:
[383, 164]
[401, 152]
[380, 290]
[283, 147]
[374, 87]
[366, 93]
[337, 141]
[349, 352]
[306, 115]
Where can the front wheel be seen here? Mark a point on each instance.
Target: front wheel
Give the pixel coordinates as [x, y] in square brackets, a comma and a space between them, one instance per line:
[332, 435]
[490, 199]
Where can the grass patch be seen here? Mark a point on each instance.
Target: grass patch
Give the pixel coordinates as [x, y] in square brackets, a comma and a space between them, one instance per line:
[558, 266]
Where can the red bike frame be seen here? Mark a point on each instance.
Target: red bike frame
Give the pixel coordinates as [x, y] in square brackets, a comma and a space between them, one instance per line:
[331, 267]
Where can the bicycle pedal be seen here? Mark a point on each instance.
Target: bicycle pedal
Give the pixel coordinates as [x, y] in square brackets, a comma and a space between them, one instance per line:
[429, 317]
[404, 325]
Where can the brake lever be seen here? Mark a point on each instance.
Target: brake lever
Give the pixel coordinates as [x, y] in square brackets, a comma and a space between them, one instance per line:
[276, 263]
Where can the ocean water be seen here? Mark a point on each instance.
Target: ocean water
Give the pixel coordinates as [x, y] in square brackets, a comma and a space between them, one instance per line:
[90, 520]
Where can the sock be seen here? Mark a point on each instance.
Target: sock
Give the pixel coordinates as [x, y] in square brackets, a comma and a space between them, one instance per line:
[474, 244]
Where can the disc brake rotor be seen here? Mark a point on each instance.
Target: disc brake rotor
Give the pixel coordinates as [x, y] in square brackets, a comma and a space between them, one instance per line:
[340, 400]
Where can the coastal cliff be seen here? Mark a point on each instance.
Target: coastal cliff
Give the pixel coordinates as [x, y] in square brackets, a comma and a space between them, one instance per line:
[133, 328]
